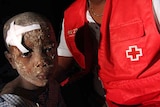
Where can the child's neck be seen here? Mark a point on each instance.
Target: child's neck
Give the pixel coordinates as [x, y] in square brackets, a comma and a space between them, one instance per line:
[29, 94]
[19, 87]
[25, 84]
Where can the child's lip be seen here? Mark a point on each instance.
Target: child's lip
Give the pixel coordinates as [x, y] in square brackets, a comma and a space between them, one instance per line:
[43, 75]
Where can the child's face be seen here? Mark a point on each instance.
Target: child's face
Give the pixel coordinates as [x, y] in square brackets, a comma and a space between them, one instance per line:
[36, 65]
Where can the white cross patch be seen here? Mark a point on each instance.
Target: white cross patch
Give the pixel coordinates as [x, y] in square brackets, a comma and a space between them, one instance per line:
[134, 53]
[73, 31]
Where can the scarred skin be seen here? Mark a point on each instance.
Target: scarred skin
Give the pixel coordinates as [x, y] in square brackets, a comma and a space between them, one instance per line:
[37, 65]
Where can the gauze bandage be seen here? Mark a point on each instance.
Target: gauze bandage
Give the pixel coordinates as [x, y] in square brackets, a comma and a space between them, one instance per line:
[14, 35]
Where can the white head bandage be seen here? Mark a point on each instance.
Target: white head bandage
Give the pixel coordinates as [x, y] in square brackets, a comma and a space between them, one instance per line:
[14, 35]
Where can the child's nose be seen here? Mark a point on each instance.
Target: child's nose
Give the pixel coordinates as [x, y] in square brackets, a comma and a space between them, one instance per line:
[41, 60]
[41, 64]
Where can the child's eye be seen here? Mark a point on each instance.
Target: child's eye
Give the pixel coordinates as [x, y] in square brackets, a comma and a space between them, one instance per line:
[27, 54]
[48, 49]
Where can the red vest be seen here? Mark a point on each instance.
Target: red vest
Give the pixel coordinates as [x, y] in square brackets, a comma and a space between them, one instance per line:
[129, 52]
[74, 19]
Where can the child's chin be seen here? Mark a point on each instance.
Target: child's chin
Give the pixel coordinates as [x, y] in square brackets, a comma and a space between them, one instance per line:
[42, 84]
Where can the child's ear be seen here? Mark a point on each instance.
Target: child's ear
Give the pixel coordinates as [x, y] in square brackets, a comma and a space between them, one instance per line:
[10, 59]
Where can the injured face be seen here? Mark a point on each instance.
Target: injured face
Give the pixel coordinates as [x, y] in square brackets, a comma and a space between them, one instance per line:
[32, 45]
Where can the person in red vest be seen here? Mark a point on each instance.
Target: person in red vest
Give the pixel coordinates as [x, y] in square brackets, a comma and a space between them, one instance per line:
[32, 51]
[128, 48]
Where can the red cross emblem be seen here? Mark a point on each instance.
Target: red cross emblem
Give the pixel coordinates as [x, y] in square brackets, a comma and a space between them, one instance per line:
[134, 53]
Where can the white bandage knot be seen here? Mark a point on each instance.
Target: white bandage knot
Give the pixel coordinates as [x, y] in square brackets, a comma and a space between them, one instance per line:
[14, 35]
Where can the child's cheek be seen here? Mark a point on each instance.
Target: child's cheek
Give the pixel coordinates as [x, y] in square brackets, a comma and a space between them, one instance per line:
[21, 67]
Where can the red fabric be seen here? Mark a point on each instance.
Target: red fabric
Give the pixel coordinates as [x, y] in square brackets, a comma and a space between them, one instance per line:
[71, 27]
[63, 83]
[152, 104]
[131, 23]
[127, 25]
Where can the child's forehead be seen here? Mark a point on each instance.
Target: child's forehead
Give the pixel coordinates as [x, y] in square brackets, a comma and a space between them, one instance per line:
[44, 34]
[14, 35]
[38, 37]
[33, 32]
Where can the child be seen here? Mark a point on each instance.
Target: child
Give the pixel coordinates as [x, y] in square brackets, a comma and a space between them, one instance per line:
[31, 44]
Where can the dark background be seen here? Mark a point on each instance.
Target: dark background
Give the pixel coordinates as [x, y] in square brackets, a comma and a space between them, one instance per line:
[75, 94]
[52, 9]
